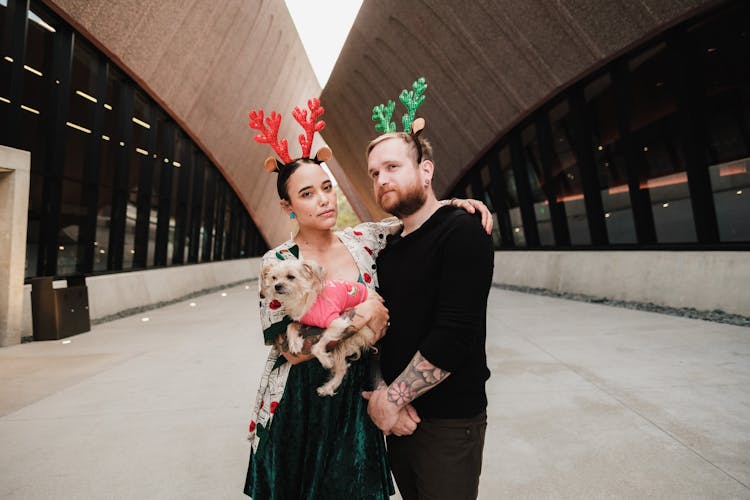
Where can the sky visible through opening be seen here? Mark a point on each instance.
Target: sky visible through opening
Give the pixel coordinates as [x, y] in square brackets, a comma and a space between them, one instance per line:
[323, 26]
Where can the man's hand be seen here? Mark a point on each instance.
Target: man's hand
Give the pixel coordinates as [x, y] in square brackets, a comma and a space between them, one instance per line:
[383, 412]
[406, 423]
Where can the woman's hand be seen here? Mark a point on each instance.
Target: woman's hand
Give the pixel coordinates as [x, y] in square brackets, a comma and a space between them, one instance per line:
[373, 313]
[407, 422]
[472, 206]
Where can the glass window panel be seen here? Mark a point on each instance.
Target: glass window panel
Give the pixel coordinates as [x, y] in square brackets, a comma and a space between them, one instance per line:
[5, 63]
[509, 194]
[656, 132]
[103, 222]
[77, 125]
[131, 212]
[485, 179]
[722, 42]
[731, 185]
[567, 174]
[609, 158]
[72, 213]
[83, 102]
[37, 61]
[76, 142]
[532, 159]
[36, 208]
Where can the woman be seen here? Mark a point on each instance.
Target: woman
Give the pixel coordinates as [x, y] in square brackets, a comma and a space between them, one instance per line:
[304, 445]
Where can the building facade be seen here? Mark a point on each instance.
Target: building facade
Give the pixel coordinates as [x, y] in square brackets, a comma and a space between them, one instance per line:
[116, 184]
[135, 117]
[652, 150]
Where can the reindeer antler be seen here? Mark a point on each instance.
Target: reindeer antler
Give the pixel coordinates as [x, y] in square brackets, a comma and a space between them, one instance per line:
[269, 135]
[412, 99]
[382, 114]
[310, 126]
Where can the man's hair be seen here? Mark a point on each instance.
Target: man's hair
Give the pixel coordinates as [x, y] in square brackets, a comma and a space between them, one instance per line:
[408, 139]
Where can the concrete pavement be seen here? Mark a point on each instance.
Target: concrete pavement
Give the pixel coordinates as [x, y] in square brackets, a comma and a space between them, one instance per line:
[586, 401]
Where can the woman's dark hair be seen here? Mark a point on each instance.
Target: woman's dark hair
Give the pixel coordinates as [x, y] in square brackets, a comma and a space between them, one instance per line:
[286, 172]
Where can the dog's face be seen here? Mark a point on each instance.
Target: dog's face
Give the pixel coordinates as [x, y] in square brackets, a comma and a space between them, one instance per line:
[290, 281]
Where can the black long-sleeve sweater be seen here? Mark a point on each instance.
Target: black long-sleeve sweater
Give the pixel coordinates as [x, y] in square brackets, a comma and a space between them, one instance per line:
[435, 282]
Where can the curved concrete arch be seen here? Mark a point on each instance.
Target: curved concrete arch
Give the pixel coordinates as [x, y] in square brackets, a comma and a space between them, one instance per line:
[207, 64]
[506, 58]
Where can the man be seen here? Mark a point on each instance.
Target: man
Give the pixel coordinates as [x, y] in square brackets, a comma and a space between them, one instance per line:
[435, 277]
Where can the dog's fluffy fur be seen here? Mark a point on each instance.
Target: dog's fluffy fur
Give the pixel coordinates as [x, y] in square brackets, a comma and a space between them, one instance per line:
[296, 284]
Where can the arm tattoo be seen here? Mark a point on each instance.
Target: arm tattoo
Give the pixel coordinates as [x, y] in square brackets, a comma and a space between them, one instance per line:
[417, 378]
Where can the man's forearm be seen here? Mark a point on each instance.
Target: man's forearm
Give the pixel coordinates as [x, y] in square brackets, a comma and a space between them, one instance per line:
[417, 378]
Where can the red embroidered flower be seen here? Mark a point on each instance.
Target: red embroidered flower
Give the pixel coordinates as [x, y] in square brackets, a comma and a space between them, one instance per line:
[357, 233]
[367, 278]
[275, 304]
[274, 404]
[252, 426]
[368, 250]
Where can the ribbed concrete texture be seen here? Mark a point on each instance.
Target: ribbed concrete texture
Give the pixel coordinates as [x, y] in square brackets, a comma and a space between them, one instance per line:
[208, 64]
[487, 64]
[586, 402]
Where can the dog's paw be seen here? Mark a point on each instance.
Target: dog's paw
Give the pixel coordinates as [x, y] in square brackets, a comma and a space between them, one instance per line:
[326, 360]
[325, 390]
[296, 344]
[294, 339]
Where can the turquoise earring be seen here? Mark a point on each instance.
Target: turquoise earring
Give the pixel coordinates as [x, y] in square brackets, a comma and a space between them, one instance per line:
[292, 215]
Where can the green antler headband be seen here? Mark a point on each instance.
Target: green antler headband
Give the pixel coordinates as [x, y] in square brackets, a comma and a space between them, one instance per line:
[411, 99]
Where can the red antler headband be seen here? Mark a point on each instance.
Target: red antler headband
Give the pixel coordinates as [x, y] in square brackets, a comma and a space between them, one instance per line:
[270, 130]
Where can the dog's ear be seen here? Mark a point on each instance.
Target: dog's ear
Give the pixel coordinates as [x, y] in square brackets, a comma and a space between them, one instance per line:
[312, 270]
[265, 277]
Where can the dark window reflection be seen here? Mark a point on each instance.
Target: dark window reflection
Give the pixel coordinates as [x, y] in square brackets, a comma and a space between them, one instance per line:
[567, 174]
[650, 114]
[72, 188]
[609, 158]
[656, 132]
[722, 43]
[537, 181]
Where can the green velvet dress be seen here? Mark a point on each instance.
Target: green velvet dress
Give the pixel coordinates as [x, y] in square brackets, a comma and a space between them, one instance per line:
[321, 447]
[305, 446]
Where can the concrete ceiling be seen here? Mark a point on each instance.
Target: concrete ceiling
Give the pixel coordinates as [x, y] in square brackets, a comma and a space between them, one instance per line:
[488, 63]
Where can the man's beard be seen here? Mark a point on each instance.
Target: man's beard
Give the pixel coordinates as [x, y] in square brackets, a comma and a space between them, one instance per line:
[408, 203]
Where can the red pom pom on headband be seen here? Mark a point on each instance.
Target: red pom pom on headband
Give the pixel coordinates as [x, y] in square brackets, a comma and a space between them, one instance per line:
[269, 133]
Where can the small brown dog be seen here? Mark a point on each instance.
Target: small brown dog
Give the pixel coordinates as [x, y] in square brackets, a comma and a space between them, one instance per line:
[308, 298]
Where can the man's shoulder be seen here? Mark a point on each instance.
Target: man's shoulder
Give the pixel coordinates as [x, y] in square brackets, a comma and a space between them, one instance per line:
[458, 219]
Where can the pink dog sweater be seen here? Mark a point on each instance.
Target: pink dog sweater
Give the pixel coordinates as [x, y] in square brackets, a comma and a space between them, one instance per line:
[336, 296]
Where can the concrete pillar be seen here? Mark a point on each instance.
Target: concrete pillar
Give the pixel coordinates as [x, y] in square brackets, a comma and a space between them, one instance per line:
[15, 169]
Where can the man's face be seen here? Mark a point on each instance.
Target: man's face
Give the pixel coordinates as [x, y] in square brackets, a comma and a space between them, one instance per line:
[399, 185]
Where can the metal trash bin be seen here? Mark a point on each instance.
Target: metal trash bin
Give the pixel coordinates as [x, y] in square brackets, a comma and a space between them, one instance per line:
[59, 312]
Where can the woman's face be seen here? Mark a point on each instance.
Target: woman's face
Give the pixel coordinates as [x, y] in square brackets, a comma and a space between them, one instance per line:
[312, 197]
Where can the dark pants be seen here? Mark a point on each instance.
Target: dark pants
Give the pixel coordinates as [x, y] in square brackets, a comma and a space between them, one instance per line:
[441, 460]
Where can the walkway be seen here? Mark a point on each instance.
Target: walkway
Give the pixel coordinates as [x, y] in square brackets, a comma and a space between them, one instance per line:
[586, 402]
